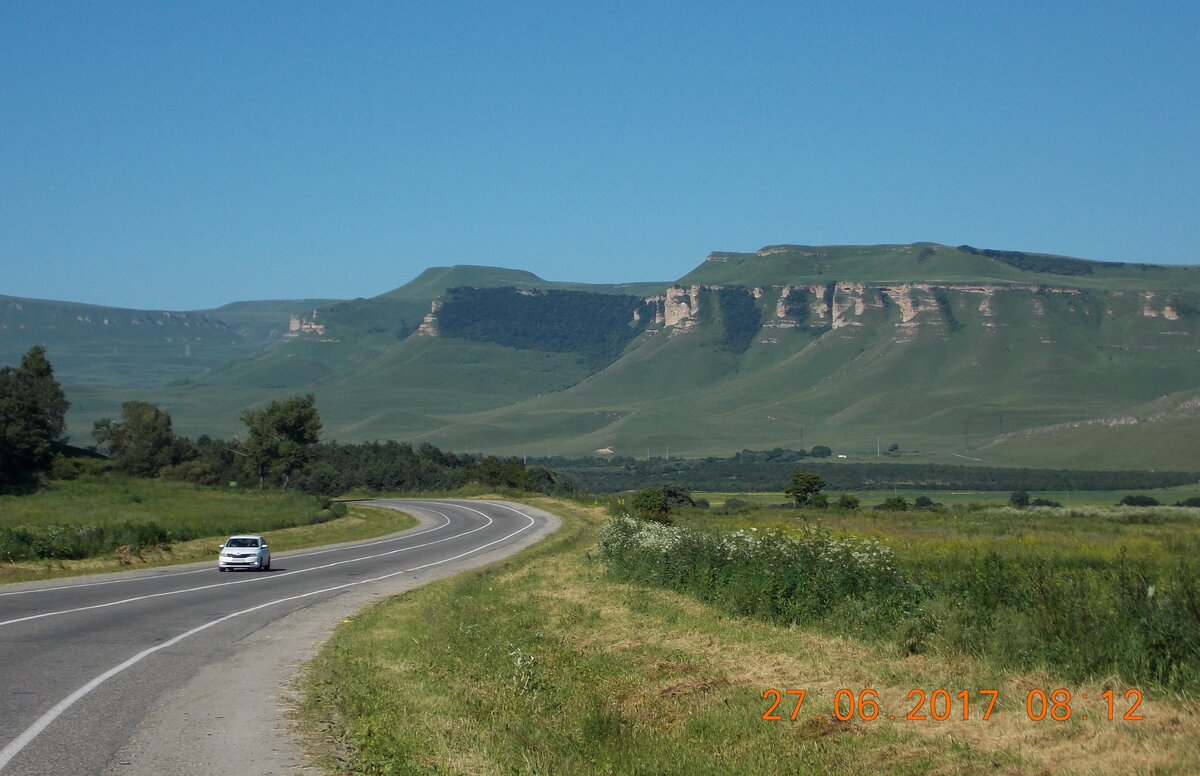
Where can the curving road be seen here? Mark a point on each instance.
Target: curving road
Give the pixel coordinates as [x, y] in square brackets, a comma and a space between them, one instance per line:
[161, 671]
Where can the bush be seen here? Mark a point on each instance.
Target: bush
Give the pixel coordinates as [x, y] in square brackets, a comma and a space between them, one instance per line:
[1138, 501]
[848, 501]
[652, 504]
[1019, 499]
[894, 504]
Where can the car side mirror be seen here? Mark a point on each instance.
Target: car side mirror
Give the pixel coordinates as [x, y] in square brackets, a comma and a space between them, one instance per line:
[220, 546]
[265, 547]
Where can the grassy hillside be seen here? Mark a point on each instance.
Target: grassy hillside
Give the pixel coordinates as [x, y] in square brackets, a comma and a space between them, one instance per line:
[1157, 435]
[97, 347]
[435, 281]
[411, 388]
[1032, 360]
[929, 262]
[953, 354]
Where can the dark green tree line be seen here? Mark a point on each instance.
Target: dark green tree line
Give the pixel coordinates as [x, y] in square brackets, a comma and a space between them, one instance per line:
[33, 411]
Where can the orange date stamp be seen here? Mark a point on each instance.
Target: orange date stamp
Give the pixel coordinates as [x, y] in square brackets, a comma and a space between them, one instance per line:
[939, 705]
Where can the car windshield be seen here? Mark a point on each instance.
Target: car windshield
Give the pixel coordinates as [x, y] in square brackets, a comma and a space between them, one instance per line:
[241, 542]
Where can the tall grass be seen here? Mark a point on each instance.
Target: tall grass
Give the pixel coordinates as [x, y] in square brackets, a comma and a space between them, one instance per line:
[1082, 619]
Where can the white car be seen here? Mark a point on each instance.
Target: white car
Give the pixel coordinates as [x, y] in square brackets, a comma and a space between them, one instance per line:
[245, 551]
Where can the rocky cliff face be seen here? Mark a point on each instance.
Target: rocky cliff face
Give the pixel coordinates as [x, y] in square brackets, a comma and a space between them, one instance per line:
[678, 308]
[846, 303]
[428, 327]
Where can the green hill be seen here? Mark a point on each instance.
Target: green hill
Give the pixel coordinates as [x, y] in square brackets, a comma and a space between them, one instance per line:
[930, 263]
[96, 346]
[952, 354]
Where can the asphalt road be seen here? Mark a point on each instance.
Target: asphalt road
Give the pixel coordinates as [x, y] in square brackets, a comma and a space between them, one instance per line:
[93, 668]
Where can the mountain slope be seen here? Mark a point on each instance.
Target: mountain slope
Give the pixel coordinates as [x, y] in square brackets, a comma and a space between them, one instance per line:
[952, 354]
[98, 346]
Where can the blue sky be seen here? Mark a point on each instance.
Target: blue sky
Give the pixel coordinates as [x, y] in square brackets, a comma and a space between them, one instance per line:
[182, 156]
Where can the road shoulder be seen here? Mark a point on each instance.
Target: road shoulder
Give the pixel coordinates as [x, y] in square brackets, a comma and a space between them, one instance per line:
[196, 730]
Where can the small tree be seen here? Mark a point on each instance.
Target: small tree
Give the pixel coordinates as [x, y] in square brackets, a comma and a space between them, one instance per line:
[894, 504]
[32, 417]
[281, 437]
[652, 504]
[1019, 499]
[848, 501]
[805, 487]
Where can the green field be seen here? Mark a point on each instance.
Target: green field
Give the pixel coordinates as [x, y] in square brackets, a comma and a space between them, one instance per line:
[596, 673]
[109, 522]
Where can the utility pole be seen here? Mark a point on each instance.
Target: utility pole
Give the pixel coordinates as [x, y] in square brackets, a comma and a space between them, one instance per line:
[876, 447]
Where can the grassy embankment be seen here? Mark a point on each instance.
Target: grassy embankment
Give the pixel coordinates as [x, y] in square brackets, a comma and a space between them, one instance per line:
[548, 664]
[108, 523]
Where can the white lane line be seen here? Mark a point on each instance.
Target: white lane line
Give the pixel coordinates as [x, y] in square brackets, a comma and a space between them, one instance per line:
[255, 578]
[287, 556]
[14, 747]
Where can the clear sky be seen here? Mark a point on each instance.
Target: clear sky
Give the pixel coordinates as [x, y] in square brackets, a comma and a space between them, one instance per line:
[185, 155]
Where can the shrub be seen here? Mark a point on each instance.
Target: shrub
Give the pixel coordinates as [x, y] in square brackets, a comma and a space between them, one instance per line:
[1019, 499]
[894, 504]
[1133, 500]
[848, 501]
[652, 504]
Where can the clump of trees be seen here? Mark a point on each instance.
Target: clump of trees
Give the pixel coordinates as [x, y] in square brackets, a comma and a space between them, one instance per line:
[142, 443]
[771, 470]
[282, 448]
[740, 315]
[281, 438]
[1021, 499]
[596, 326]
[33, 411]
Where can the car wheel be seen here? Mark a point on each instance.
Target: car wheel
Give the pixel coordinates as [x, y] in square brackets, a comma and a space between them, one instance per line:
[222, 569]
[268, 566]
